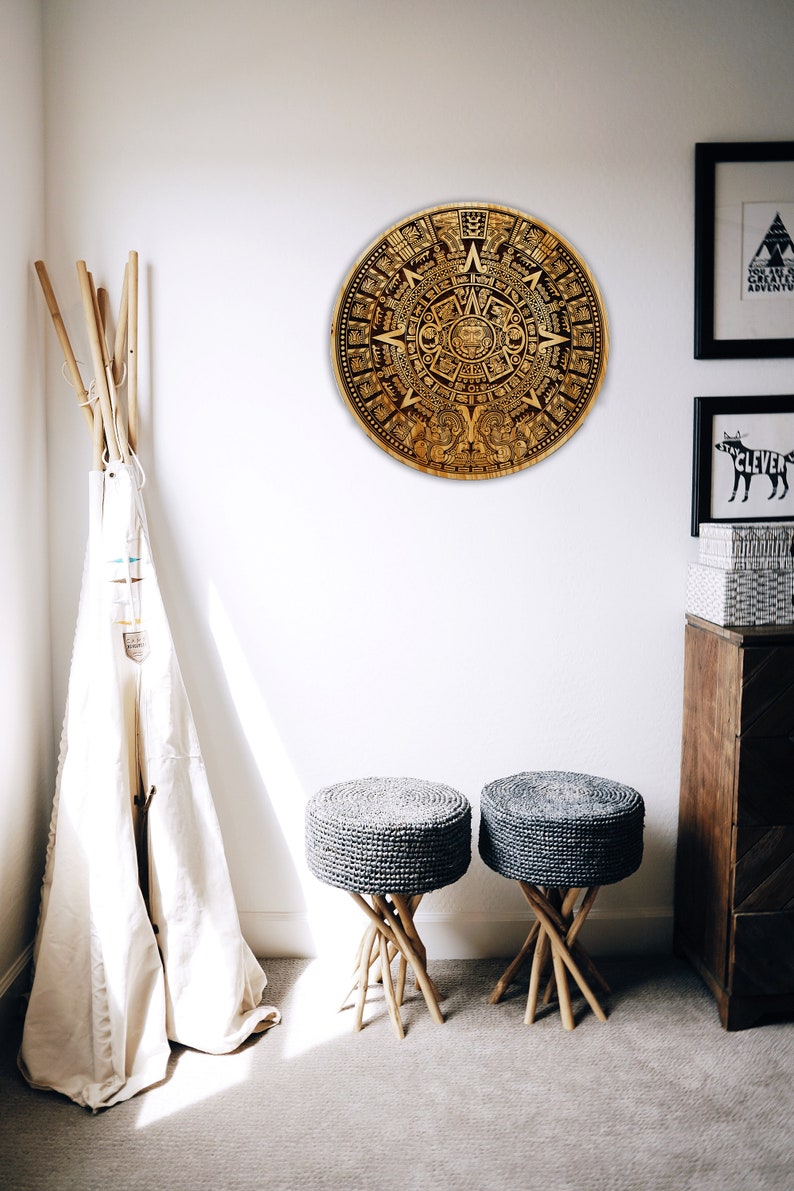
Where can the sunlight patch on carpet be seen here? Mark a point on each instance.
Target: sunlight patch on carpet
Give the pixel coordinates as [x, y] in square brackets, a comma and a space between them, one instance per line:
[195, 1077]
[313, 1017]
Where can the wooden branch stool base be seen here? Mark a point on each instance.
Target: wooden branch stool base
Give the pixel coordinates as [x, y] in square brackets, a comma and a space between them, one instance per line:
[559, 835]
[392, 934]
[553, 936]
[387, 842]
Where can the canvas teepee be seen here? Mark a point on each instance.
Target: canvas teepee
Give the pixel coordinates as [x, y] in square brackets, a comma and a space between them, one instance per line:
[138, 941]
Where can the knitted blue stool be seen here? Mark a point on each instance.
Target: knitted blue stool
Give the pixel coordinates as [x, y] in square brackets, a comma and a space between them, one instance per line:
[390, 840]
[559, 835]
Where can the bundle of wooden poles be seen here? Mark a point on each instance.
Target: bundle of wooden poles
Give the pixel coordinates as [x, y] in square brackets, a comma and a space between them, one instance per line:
[114, 431]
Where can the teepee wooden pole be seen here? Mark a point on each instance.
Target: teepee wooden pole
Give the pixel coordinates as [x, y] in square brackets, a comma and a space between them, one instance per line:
[98, 441]
[66, 347]
[121, 329]
[89, 311]
[132, 350]
[103, 308]
[121, 436]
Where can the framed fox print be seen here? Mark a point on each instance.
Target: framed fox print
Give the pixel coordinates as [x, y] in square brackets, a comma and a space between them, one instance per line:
[743, 459]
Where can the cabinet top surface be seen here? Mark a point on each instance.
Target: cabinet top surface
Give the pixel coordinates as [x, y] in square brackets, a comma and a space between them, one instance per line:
[764, 634]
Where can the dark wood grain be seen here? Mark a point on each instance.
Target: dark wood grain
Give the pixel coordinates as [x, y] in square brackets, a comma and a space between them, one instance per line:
[765, 768]
[734, 891]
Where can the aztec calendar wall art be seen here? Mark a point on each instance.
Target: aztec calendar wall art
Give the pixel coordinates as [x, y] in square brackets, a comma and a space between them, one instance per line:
[469, 341]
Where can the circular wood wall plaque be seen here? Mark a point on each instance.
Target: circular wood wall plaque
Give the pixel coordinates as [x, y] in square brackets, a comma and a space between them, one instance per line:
[469, 341]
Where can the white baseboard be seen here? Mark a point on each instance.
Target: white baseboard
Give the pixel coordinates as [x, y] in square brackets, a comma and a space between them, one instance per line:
[468, 935]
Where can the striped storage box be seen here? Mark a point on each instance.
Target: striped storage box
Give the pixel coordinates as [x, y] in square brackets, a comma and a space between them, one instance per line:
[747, 545]
[740, 597]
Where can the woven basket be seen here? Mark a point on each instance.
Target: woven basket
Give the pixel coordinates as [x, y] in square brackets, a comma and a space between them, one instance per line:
[388, 835]
[556, 828]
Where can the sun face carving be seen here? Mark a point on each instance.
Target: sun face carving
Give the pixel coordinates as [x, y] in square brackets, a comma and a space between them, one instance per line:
[463, 309]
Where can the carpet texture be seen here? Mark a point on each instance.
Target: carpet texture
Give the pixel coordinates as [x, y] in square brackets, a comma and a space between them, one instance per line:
[659, 1097]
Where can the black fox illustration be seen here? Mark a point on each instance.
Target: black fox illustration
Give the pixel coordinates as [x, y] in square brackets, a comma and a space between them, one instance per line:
[752, 461]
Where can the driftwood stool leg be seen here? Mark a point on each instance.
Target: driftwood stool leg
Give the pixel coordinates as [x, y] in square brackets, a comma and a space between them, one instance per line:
[567, 902]
[563, 992]
[573, 925]
[512, 970]
[369, 950]
[564, 902]
[580, 952]
[402, 970]
[417, 963]
[406, 910]
[388, 988]
[538, 964]
[367, 946]
[363, 982]
[393, 923]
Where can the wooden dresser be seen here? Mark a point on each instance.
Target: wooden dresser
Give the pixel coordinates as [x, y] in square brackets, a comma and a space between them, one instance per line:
[734, 890]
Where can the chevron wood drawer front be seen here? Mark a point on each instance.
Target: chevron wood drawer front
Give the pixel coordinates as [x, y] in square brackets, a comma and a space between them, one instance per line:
[764, 869]
[765, 771]
[734, 896]
[762, 962]
[767, 691]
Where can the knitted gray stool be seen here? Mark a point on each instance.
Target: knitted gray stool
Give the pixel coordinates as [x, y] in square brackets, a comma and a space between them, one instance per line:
[559, 835]
[390, 840]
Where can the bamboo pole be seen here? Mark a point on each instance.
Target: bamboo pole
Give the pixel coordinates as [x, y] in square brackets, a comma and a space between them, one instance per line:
[103, 307]
[121, 328]
[98, 443]
[60, 329]
[89, 313]
[132, 351]
[121, 437]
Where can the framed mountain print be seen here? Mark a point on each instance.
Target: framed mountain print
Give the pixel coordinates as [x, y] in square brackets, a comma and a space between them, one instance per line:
[744, 250]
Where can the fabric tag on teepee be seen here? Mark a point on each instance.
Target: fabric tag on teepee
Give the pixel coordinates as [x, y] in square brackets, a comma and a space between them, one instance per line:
[136, 646]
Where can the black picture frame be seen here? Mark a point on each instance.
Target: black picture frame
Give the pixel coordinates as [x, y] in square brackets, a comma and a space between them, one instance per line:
[710, 290]
[772, 418]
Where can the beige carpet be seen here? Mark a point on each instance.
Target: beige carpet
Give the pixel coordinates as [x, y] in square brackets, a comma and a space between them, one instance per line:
[658, 1098]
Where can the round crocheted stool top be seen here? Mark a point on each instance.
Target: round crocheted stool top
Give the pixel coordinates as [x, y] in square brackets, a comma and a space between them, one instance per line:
[557, 828]
[388, 835]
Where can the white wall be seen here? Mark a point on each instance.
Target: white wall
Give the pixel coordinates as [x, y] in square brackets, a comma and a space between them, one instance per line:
[26, 744]
[337, 613]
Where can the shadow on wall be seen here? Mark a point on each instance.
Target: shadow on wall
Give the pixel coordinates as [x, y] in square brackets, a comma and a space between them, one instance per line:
[258, 795]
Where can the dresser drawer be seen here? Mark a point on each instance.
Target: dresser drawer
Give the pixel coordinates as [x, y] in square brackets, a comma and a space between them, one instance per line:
[762, 955]
[765, 780]
[767, 691]
[763, 877]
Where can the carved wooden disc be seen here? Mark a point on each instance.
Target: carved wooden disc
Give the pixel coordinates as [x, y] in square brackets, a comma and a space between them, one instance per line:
[470, 341]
